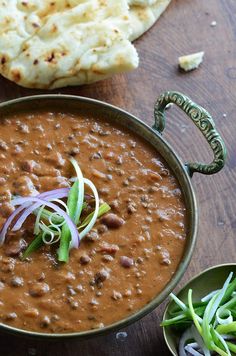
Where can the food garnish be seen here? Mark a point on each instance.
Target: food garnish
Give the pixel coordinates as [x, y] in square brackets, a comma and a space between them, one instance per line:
[209, 325]
[62, 223]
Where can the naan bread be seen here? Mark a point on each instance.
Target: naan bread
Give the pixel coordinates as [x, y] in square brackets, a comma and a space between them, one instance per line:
[143, 3]
[50, 44]
[143, 14]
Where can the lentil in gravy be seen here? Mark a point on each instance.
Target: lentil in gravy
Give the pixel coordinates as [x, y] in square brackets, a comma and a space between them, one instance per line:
[118, 268]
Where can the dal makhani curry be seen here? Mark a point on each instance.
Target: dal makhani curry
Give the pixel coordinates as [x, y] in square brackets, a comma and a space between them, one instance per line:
[93, 222]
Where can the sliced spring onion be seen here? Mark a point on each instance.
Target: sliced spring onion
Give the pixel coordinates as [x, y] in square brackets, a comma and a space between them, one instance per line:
[193, 314]
[209, 313]
[53, 218]
[175, 320]
[200, 341]
[50, 216]
[231, 346]
[219, 297]
[54, 235]
[192, 351]
[178, 302]
[50, 229]
[228, 336]
[223, 342]
[226, 329]
[95, 213]
[51, 239]
[103, 209]
[209, 296]
[229, 305]
[61, 203]
[211, 320]
[33, 246]
[224, 317]
[46, 214]
[65, 241]
[231, 288]
[186, 336]
[38, 217]
[80, 198]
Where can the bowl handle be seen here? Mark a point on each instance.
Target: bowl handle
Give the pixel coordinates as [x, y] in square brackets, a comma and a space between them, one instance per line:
[203, 120]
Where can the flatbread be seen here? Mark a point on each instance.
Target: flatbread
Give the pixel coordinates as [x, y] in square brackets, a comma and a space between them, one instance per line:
[46, 44]
[50, 44]
[142, 3]
[143, 14]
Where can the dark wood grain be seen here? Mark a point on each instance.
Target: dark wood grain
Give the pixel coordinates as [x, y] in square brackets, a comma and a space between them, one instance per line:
[184, 28]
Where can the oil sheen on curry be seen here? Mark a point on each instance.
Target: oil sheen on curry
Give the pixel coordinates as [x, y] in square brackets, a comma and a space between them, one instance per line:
[128, 255]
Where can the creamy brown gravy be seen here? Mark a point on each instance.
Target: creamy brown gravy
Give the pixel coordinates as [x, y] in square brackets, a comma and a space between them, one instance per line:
[94, 289]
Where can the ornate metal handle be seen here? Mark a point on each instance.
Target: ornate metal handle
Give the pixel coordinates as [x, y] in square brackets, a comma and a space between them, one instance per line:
[203, 120]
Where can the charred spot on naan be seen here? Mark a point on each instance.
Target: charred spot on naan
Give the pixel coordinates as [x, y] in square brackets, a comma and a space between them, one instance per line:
[3, 60]
[15, 74]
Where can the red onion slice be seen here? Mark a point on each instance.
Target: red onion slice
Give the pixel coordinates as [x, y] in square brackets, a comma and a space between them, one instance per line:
[9, 221]
[61, 193]
[54, 192]
[20, 201]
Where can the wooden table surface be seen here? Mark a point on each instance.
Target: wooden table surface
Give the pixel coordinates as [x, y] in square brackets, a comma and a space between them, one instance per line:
[184, 28]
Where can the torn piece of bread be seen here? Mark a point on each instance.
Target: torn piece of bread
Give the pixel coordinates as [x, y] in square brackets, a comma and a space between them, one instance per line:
[143, 14]
[191, 61]
[50, 44]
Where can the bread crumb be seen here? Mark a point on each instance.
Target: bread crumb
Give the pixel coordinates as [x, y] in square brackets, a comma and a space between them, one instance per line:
[191, 61]
[213, 24]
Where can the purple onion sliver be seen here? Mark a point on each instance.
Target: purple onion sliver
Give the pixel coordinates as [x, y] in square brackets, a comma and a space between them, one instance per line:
[24, 216]
[73, 243]
[58, 195]
[55, 194]
[54, 191]
[63, 192]
[69, 222]
[9, 221]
